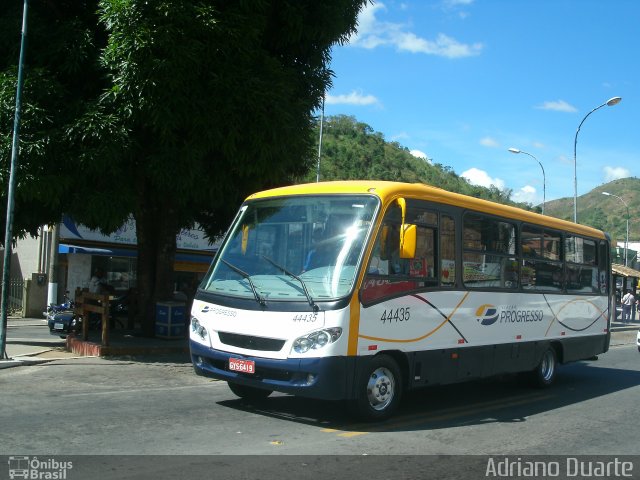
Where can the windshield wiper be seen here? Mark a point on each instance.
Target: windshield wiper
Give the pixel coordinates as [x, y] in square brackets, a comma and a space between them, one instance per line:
[293, 275]
[259, 299]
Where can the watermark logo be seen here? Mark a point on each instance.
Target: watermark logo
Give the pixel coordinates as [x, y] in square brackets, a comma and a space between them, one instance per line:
[487, 314]
[38, 469]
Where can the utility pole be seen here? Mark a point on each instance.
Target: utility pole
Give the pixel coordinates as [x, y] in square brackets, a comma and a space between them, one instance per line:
[8, 234]
[320, 141]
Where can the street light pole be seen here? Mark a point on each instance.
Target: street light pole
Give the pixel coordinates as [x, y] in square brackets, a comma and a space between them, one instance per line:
[8, 234]
[544, 178]
[320, 141]
[626, 240]
[609, 103]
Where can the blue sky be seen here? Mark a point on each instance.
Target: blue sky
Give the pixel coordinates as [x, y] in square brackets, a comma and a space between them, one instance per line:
[461, 81]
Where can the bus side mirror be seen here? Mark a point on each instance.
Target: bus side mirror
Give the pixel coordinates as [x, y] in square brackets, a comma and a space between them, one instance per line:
[407, 233]
[408, 241]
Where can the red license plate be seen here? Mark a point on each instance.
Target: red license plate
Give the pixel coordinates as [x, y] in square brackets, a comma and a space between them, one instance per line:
[244, 366]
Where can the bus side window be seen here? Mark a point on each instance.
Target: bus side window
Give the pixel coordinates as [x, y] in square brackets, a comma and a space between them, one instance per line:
[447, 251]
[390, 275]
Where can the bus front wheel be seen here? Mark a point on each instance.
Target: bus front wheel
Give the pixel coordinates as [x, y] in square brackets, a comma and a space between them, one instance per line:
[379, 389]
[249, 393]
[545, 373]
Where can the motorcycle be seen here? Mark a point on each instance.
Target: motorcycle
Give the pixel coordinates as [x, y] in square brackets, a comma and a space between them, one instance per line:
[66, 306]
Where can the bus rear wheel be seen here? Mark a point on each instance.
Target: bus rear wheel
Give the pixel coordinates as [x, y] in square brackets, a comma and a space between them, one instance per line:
[249, 393]
[545, 373]
[379, 389]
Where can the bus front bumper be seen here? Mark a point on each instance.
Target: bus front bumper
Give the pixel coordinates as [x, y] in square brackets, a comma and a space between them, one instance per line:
[326, 378]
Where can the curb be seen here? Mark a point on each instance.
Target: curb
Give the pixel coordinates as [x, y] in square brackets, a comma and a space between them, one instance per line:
[30, 359]
[626, 328]
[86, 348]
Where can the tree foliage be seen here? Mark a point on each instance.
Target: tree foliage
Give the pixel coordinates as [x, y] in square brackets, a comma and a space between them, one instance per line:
[62, 74]
[171, 111]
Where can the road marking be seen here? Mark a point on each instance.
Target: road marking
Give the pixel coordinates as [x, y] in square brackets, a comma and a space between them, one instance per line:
[352, 434]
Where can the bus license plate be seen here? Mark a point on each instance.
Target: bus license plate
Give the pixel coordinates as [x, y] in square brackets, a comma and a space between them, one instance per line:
[244, 366]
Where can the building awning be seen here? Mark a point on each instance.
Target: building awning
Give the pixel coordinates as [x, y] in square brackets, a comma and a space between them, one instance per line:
[111, 252]
[623, 271]
[204, 257]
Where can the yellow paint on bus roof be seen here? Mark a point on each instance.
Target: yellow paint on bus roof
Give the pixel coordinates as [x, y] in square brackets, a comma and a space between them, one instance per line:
[388, 191]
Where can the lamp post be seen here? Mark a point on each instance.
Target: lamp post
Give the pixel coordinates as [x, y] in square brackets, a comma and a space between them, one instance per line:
[609, 103]
[320, 140]
[544, 179]
[626, 240]
[8, 234]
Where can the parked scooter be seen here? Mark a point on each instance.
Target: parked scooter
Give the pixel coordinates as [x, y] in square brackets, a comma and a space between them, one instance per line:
[66, 306]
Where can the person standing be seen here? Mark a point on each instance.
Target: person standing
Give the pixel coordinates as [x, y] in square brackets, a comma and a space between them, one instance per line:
[98, 284]
[627, 301]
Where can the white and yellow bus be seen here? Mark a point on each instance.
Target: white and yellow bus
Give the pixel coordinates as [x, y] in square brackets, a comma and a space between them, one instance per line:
[361, 290]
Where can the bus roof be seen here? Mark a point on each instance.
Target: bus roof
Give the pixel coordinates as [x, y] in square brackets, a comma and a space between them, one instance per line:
[387, 191]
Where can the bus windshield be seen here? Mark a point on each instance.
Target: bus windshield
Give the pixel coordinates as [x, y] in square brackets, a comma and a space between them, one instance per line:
[297, 248]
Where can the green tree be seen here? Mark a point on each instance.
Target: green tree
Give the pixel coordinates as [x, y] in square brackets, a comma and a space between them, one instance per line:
[191, 105]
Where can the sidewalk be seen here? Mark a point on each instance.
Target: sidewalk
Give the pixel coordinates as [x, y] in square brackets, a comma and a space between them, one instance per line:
[618, 325]
[46, 347]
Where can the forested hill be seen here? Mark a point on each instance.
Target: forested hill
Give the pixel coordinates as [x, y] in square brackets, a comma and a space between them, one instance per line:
[607, 213]
[351, 150]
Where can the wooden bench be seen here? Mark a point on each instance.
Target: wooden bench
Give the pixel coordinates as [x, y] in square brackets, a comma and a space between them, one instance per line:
[86, 303]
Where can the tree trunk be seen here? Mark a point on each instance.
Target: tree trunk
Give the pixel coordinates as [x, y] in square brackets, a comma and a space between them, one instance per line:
[157, 227]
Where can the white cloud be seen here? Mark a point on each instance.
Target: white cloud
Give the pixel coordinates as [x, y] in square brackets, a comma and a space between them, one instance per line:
[373, 33]
[614, 173]
[489, 142]
[400, 136]
[525, 194]
[443, 45]
[557, 106]
[455, 3]
[353, 98]
[420, 154]
[482, 178]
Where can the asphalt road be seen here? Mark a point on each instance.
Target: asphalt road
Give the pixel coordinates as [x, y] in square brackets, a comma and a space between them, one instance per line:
[159, 406]
[154, 418]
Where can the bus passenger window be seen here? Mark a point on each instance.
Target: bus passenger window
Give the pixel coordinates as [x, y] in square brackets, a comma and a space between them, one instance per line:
[447, 250]
[389, 275]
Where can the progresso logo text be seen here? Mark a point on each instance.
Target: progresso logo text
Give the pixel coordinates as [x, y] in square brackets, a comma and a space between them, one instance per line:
[488, 314]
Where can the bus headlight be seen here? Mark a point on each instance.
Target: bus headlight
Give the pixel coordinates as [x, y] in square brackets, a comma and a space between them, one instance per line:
[198, 329]
[316, 340]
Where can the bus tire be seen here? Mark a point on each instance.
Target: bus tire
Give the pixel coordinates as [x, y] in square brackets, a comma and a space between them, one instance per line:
[379, 389]
[545, 372]
[249, 393]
